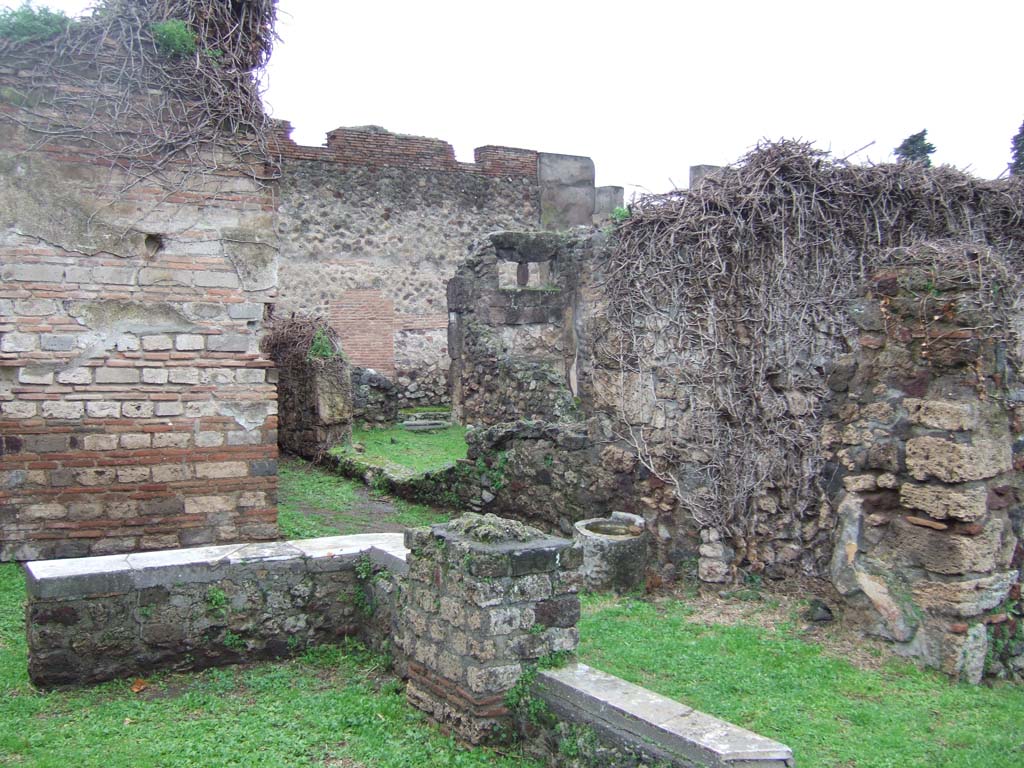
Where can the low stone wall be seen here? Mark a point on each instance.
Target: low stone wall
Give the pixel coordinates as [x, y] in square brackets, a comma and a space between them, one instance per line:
[374, 399]
[101, 618]
[469, 613]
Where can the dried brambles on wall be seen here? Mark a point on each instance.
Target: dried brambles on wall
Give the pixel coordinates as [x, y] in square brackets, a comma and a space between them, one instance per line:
[727, 304]
[148, 85]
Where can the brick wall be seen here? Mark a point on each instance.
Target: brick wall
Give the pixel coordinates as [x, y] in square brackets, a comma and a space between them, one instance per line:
[370, 145]
[136, 411]
[365, 320]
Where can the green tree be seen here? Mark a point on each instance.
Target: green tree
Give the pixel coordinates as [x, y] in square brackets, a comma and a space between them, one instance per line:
[915, 149]
[1017, 153]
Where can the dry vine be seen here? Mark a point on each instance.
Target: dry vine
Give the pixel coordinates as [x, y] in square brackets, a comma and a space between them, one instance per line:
[105, 85]
[727, 303]
[299, 340]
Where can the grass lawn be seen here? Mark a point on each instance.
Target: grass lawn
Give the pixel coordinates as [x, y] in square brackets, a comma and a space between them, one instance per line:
[313, 502]
[409, 452]
[331, 707]
[829, 712]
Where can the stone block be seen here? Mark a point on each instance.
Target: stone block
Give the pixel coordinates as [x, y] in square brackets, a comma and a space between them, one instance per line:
[137, 409]
[33, 273]
[100, 442]
[158, 276]
[170, 473]
[103, 409]
[168, 408]
[209, 279]
[535, 559]
[933, 457]
[75, 376]
[209, 439]
[631, 716]
[135, 441]
[960, 502]
[941, 414]
[228, 343]
[132, 474]
[215, 470]
[113, 275]
[35, 374]
[187, 342]
[157, 342]
[965, 597]
[247, 311]
[183, 375]
[35, 307]
[154, 375]
[63, 409]
[52, 443]
[107, 375]
[18, 409]
[492, 679]
[19, 342]
[946, 552]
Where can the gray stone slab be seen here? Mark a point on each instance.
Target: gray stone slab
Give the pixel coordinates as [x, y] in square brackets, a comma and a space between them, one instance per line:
[637, 714]
[78, 576]
[265, 552]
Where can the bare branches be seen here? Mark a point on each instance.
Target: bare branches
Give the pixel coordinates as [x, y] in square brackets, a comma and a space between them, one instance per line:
[106, 86]
[733, 298]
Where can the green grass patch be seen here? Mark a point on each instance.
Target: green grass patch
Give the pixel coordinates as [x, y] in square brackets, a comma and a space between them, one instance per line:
[424, 409]
[408, 452]
[302, 487]
[313, 502]
[829, 712]
[330, 705]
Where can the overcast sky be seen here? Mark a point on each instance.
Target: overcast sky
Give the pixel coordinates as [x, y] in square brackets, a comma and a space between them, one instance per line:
[648, 89]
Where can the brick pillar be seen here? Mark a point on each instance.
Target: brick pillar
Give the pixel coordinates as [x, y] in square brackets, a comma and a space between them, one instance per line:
[486, 597]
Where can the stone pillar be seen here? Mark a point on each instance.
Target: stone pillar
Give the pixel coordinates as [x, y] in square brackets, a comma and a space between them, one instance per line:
[485, 598]
[925, 485]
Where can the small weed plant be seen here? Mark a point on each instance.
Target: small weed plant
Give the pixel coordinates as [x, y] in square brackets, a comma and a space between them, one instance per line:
[25, 23]
[173, 38]
[321, 348]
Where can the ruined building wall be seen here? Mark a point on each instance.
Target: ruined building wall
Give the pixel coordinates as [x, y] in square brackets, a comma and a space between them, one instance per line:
[373, 225]
[136, 411]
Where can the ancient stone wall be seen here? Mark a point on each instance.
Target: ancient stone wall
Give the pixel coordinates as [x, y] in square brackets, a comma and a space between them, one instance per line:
[524, 366]
[923, 450]
[373, 224]
[374, 399]
[511, 347]
[136, 410]
[102, 618]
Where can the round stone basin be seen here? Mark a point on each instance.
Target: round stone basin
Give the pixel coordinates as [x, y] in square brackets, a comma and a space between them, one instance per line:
[614, 551]
[612, 528]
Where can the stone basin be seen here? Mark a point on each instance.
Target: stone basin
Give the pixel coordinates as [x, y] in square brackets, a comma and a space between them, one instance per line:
[614, 551]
